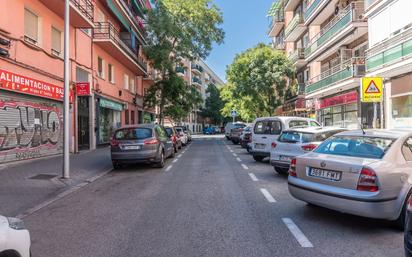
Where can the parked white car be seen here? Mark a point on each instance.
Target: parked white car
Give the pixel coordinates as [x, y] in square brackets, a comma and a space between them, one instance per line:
[266, 131]
[230, 125]
[14, 238]
[182, 135]
[297, 141]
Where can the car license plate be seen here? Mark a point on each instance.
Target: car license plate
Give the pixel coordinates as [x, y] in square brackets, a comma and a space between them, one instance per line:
[284, 158]
[131, 147]
[260, 146]
[325, 174]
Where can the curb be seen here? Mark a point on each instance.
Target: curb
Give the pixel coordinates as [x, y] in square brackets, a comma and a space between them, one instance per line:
[63, 194]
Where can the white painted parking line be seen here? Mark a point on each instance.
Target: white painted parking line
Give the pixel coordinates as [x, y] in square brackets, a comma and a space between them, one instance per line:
[267, 195]
[175, 160]
[253, 177]
[231, 151]
[238, 159]
[297, 233]
[234, 154]
[180, 155]
[245, 167]
[168, 168]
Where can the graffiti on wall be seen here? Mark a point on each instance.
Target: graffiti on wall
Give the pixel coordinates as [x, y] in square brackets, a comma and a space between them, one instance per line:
[28, 129]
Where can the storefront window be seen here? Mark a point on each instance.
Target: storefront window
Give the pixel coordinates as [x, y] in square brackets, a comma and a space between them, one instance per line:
[402, 111]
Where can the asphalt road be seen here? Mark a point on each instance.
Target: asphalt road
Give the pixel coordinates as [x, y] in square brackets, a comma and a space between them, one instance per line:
[213, 200]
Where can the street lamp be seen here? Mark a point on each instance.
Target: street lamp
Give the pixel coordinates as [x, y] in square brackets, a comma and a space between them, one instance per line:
[66, 100]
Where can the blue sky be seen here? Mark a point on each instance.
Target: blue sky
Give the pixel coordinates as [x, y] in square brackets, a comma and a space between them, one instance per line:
[245, 25]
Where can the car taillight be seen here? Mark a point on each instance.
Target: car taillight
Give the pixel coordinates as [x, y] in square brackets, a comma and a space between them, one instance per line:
[174, 139]
[292, 168]
[368, 181]
[152, 141]
[114, 142]
[274, 145]
[409, 203]
[309, 147]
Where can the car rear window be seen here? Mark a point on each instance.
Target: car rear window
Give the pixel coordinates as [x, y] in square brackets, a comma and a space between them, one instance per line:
[133, 133]
[356, 146]
[169, 131]
[295, 137]
[268, 127]
[239, 125]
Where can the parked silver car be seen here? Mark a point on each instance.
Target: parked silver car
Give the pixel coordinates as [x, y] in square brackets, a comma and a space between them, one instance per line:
[148, 143]
[362, 173]
[295, 142]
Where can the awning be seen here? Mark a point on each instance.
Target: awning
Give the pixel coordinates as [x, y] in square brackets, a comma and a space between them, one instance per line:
[109, 104]
[275, 6]
[119, 16]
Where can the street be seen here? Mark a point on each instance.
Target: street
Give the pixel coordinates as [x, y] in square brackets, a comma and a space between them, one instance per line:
[213, 199]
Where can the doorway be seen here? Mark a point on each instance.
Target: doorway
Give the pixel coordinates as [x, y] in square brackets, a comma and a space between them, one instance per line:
[83, 130]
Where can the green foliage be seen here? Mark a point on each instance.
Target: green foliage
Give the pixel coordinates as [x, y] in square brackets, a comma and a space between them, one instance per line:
[244, 105]
[213, 105]
[259, 78]
[179, 29]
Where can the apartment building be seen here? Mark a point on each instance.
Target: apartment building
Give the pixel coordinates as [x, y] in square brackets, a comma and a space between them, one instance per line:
[389, 55]
[108, 73]
[327, 42]
[199, 75]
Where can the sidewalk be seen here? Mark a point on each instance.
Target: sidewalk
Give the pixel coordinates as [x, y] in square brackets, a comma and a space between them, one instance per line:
[19, 191]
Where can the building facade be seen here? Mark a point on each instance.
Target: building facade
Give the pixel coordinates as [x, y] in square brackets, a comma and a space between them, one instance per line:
[199, 75]
[389, 56]
[327, 42]
[108, 74]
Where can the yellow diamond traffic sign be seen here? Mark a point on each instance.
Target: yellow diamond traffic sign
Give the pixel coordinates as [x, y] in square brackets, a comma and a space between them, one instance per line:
[372, 89]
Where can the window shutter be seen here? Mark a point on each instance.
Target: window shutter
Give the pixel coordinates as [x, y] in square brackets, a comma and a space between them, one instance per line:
[31, 23]
[56, 40]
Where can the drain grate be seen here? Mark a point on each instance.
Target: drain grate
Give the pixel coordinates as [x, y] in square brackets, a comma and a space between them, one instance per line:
[43, 176]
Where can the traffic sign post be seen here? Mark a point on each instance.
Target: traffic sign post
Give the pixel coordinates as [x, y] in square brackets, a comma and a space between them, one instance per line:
[234, 115]
[371, 89]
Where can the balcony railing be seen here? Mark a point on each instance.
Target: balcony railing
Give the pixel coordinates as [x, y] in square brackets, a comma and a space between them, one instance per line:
[297, 19]
[105, 30]
[85, 6]
[279, 42]
[353, 67]
[394, 49]
[369, 3]
[311, 8]
[351, 13]
[297, 55]
[135, 16]
[197, 80]
[197, 67]
[279, 16]
[180, 70]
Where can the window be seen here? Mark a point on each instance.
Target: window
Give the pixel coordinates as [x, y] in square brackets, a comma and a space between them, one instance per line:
[133, 133]
[126, 81]
[126, 117]
[161, 132]
[100, 67]
[270, 127]
[132, 117]
[31, 27]
[298, 123]
[56, 42]
[110, 73]
[132, 86]
[407, 149]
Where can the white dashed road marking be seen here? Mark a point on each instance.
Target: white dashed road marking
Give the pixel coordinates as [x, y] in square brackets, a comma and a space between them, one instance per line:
[253, 177]
[245, 167]
[297, 233]
[238, 159]
[175, 160]
[169, 167]
[234, 154]
[180, 155]
[267, 195]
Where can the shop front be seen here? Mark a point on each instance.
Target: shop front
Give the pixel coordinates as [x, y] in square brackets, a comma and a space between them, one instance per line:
[31, 117]
[400, 103]
[109, 118]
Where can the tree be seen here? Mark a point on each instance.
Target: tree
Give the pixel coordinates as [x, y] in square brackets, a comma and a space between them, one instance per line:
[213, 105]
[243, 105]
[260, 75]
[177, 30]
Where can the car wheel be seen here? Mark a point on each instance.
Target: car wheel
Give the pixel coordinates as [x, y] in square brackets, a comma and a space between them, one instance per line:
[282, 171]
[116, 165]
[228, 138]
[258, 158]
[161, 162]
[235, 142]
[400, 221]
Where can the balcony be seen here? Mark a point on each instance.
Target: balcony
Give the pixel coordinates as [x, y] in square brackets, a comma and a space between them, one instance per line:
[297, 57]
[180, 70]
[197, 68]
[107, 37]
[291, 5]
[278, 43]
[343, 29]
[134, 14]
[81, 11]
[344, 72]
[197, 81]
[277, 23]
[295, 28]
[319, 11]
[297, 90]
[392, 56]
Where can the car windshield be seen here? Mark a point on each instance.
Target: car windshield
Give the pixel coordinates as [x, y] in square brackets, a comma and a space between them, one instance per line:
[179, 130]
[356, 146]
[133, 133]
[239, 125]
[295, 137]
[169, 131]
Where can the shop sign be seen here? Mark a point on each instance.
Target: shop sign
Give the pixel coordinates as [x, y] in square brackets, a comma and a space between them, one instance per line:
[22, 84]
[350, 97]
[111, 105]
[83, 89]
[372, 89]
